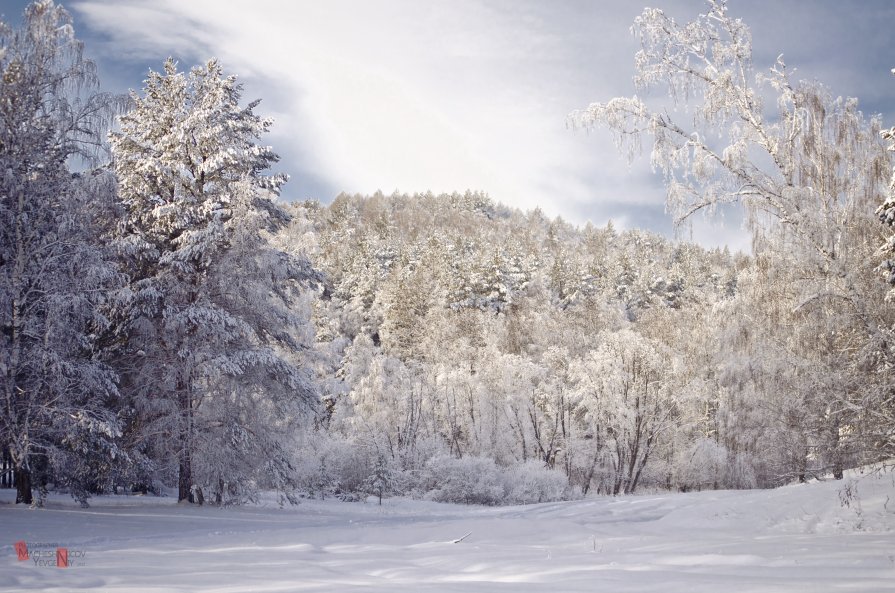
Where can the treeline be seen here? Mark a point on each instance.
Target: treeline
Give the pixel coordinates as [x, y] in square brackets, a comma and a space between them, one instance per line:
[169, 323]
[461, 329]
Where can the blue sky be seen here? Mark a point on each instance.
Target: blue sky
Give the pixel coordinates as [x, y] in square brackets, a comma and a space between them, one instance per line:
[468, 94]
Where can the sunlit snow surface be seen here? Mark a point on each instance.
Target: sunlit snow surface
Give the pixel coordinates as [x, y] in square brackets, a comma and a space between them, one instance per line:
[798, 538]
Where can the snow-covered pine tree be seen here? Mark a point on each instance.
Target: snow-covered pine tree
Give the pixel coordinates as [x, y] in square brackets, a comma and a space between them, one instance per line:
[54, 278]
[216, 343]
[381, 480]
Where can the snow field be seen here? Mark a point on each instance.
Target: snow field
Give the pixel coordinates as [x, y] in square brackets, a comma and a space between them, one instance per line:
[797, 538]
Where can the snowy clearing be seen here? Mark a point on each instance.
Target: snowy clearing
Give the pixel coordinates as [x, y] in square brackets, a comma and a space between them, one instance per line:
[797, 538]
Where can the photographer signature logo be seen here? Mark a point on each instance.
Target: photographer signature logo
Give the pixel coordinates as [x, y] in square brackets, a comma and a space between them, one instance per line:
[49, 554]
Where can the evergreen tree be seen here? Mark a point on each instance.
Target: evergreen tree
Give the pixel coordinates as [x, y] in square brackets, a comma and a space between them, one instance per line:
[381, 480]
[213, 338]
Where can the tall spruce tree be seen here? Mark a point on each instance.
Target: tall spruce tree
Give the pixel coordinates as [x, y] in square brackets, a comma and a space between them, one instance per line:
[213, 339]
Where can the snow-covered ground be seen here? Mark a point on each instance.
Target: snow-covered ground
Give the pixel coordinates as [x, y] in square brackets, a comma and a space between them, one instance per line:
[798, 538]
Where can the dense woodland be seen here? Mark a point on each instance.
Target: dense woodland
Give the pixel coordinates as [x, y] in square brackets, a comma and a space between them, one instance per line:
[171, 322]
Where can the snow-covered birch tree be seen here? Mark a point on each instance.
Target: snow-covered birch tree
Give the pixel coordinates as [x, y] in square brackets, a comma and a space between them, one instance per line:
[54, 276]
[808, 171]
[625, 387]
[216, 343]
[886, 213]
[879, 406]
[807, 166]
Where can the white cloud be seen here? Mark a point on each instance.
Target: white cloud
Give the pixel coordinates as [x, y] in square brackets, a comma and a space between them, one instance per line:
[395, 95]
[417, 96]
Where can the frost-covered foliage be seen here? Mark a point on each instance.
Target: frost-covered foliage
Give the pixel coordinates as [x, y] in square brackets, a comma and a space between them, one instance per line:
[334, 467]
[624, 361]
[708, 464]
[462, 351]
[626, 390]
[880, 353]
[806, 165]
[478, 480]
[532, 482]
[57, 281]
[213, 334]
[430, 383]
[886, 213]
[468, 480]
[809, 170]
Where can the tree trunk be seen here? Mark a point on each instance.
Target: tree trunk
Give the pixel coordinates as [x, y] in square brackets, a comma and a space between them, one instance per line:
[803, 465]
[185, 473]
[185, 479]
[835, 447]
[23, 486]
[7, 471]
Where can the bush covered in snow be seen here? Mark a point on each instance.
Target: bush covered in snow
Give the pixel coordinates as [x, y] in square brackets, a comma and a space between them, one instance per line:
[333, 467]
[707, 464]
[478, 480]
[469, 480]
[532, 482]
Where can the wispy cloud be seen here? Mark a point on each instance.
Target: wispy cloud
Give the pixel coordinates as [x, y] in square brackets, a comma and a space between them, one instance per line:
[420, 96]
[399, 95]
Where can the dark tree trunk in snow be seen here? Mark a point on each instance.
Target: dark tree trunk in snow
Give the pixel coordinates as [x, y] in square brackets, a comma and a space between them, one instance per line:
[836, 448]
[7, 471]
[185, 474]
[23, 486]
[185, 480]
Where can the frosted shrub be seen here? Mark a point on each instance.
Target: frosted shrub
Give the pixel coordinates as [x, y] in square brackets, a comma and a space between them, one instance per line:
[532, 482]
[740, 471]
[333, 467]
[701, 465]
[709, 464]
[478, 480]
[469, 480]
